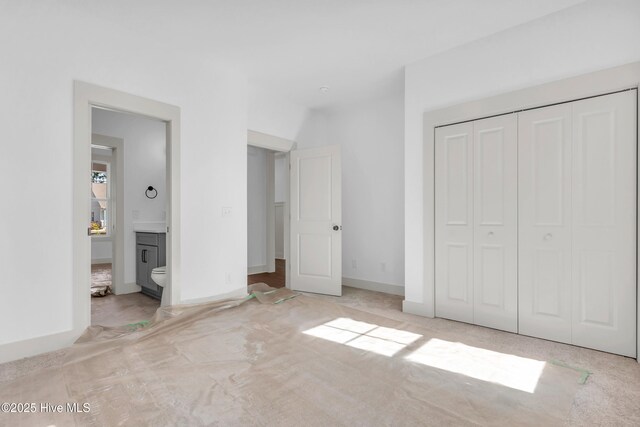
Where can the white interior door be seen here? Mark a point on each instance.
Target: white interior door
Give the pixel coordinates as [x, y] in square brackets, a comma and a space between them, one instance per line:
[454, 222]
[604, 223]
[544, 167]
[495, 219]
[316, 218]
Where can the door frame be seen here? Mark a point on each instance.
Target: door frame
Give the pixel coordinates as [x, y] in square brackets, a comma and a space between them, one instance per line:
[281, 145]
[86, 96]
[117, 238]
[565, 90]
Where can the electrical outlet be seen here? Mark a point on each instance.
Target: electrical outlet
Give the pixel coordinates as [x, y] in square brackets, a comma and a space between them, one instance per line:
[354, 264]
[135, 215]
[226, 211]
[228, 278]
[383, 267]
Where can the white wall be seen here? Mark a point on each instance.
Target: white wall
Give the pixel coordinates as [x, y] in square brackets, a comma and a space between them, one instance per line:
[591, 36]
[144, 144]
[269, 113]
[256, 207]
[45, 46]
[370, 135]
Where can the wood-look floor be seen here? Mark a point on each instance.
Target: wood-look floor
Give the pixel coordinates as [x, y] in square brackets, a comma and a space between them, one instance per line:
[275, 280]
[118, 310]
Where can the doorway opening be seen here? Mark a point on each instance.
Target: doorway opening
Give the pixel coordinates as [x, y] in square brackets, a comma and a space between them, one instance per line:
[131, 146]
[124, 210]
[267, 194]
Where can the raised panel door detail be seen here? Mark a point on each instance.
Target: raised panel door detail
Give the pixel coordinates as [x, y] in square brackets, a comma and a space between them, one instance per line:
[596, 148]
[495, 212]
[457, 189]
[490, 176]
[547, 282]
[544, 223]
[492, 285]
[596, 288]
[454, 222]
[310, 264]
[604, 223]
[314, 189]
[548, 170]
[457, 272]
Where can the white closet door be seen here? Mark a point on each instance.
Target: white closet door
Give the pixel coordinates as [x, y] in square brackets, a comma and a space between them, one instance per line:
[604, 223]
[454, 222]
[495, 215]
[544, 169]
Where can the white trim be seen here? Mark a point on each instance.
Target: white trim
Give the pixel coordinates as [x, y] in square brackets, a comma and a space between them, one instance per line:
[235, 294]
[87, 96]
[287, 223]
[386, 288]
[257, 269]
[283, 205]
[416, 308]
[117, 247]
[271, 212]
[101, 261]
[32, 346]
[591, 84]
[270, 142]
[129, 288]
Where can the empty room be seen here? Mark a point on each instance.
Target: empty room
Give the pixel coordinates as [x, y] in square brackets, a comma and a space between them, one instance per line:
[324, 213]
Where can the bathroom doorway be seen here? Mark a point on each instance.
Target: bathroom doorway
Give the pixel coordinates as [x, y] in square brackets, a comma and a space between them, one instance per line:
[128, 148]
[126, 216]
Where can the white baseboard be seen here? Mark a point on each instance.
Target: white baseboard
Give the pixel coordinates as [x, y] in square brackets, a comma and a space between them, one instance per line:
[34, 346]
[101, 261]
[374, 286]
[257, 269]
[237, 293]
[417, 308]
[128, 288]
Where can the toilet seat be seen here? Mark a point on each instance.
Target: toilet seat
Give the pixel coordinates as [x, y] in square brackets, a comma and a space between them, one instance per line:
[159, 270]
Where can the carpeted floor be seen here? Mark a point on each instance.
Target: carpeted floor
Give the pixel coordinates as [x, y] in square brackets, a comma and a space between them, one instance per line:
[352, 360]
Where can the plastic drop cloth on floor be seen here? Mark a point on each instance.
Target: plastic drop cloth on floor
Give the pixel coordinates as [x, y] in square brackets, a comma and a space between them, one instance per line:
[304, 361]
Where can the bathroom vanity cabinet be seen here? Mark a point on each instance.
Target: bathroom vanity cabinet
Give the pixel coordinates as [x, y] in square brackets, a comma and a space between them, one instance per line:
[150, 253]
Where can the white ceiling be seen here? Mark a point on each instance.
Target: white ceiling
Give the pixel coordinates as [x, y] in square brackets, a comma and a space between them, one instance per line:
[356, 47]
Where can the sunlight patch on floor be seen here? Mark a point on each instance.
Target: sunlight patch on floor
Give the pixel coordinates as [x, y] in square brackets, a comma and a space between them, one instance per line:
[365, 336]
[515, 372]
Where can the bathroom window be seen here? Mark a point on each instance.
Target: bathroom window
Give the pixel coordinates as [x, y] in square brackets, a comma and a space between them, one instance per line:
[100, 224]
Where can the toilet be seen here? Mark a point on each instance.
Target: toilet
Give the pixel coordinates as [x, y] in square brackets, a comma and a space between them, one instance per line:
[159, 276]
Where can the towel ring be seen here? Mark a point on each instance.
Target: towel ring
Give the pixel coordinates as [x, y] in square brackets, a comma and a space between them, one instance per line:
[151, 190]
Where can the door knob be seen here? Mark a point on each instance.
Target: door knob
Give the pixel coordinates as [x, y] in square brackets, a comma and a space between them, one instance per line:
[548, 236]
[490, 233]
[336, 228]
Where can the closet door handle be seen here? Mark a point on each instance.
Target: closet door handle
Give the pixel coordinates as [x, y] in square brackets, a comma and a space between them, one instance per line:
[144, 256]
[548, 236]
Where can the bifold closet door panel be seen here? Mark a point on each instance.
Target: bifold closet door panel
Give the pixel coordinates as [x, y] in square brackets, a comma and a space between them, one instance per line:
[544, 217]
[604, 223]
[495, 201]
[454, 222]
